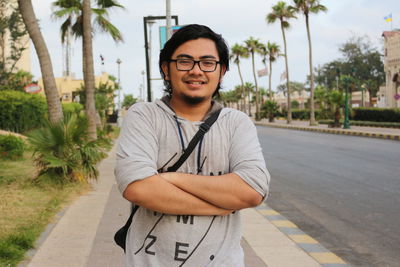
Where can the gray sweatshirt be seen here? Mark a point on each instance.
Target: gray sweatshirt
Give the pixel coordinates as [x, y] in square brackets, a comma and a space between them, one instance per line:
[150, 136]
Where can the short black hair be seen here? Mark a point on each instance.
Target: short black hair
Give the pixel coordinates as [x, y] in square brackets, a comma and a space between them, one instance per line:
[188, 33]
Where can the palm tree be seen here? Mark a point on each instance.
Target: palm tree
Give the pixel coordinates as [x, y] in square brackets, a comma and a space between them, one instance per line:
[74, 12]
[71, 11]
[273, 51]
[254, 46]
[237, 52]
[306, 7]
[88, 69]
[283, 13]
[50, 88]
[249, 88]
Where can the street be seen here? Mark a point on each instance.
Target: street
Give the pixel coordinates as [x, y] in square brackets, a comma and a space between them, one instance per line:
[344, 191]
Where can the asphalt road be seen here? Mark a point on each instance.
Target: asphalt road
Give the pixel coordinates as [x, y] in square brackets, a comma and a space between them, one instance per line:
[344, 191]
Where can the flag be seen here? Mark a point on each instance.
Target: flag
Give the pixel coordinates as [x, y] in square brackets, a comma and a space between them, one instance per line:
[262, 72]
[283, 76]
[388, 18]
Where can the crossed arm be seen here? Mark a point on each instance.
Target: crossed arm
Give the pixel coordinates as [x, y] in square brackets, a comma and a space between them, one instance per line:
[181, 193]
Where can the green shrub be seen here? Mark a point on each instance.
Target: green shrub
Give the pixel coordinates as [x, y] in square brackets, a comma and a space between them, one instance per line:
[11, 147]
[72, 108]
[63, 152]
[20, 112]
[376, 114]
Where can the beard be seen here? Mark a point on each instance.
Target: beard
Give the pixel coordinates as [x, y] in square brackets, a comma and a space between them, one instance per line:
[193, 100]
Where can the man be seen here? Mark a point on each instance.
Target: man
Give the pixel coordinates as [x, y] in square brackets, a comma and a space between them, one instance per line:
[190, 217]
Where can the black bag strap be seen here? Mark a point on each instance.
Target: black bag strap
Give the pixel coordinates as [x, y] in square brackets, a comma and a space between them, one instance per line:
[204, 127]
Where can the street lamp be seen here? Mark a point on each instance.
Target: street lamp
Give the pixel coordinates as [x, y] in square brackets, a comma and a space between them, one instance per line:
[119, 119]
[142, 88]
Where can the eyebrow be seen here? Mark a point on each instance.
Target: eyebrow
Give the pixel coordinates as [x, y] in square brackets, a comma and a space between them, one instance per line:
[202, 57]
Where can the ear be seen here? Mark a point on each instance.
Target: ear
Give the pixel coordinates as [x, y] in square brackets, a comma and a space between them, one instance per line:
[165, 69]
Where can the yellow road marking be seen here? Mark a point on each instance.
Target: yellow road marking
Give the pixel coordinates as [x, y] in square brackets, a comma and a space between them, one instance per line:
[284, 223]
[303, 239]
[326, 257]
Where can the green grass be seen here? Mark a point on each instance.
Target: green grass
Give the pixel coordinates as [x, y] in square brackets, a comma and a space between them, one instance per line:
[27, 206]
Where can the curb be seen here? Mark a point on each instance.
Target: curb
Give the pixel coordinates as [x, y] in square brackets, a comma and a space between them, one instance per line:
[311, 246]
[333, 131]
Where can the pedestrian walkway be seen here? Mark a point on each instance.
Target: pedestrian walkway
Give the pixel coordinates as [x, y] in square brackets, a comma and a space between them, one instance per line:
[376, 132]
[83, 234]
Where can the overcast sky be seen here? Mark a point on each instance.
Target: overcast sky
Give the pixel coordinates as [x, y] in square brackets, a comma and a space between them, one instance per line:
[236, 20]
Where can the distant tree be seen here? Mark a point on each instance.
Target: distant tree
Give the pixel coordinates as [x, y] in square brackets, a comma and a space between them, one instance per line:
[363, 62]
[238, 52]
[273, 52]
[254, 46]
[50, 88]
[128, 101]
[294, 86]
[282, 12]
[307, 7]
[249, 88]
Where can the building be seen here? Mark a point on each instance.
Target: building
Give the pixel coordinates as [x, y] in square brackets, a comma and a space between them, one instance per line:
[389, 95]
[24, 63]
[301, 98]
[68, 86]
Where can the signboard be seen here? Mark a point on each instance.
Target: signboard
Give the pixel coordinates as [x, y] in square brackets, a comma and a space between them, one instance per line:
[397, 96]
[32, 88]
[163, 34]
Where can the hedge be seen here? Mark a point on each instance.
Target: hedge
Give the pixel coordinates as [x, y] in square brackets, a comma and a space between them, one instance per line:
[366, 123]
[11, 147]
[304, 114]
[376, 114]
[20, 112]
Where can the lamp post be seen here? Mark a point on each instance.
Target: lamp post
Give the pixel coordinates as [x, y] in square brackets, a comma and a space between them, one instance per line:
[142, 89]
[168, 18]
[119, 119]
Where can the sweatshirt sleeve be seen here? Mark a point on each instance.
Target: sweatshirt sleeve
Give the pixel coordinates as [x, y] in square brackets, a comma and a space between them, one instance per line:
[245, 155]
[137, 148]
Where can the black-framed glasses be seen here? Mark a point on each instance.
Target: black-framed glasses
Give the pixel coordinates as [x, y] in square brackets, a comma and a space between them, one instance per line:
[186, 64]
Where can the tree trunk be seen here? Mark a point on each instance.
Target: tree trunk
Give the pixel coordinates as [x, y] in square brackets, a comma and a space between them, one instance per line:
[312, 106]
[255, 81]
[243, 92]
[88, 70]
[270, 80]
[46, 68]
[289, 105]
[249, 100]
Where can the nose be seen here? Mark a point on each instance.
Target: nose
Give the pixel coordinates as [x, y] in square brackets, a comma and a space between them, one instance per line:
[196, 69]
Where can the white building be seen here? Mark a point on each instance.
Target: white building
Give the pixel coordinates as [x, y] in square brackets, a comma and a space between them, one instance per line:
[24, 63]
[389, 95]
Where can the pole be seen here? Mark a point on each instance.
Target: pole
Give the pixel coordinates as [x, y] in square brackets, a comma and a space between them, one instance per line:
[119, 119]
[142, 89]
[168, 17]
[150, 22]
[146, 46]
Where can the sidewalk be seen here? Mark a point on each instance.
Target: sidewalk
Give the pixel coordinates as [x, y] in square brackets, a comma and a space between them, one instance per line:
[83, 234]
[376, 132]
